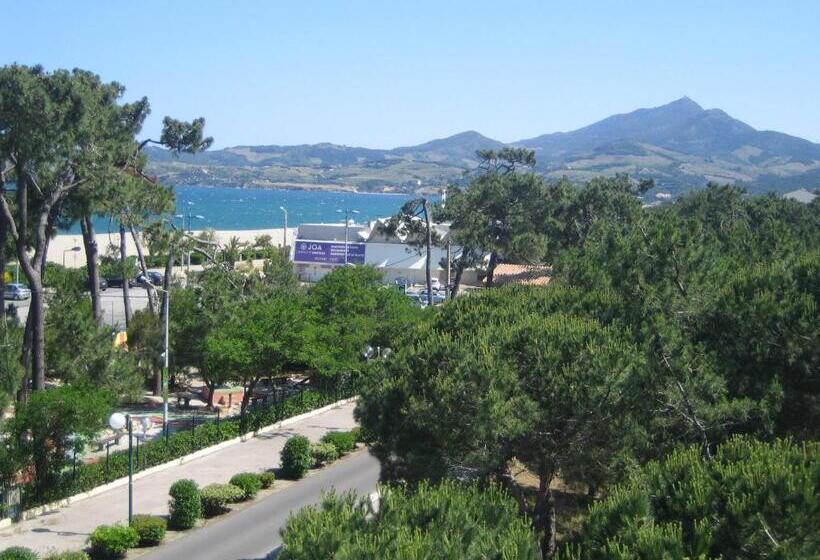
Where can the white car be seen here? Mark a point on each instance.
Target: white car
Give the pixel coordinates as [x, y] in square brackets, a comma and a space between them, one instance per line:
[16, 291]
[435, 284]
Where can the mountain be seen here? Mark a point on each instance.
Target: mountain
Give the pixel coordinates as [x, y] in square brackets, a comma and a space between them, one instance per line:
[681, 145]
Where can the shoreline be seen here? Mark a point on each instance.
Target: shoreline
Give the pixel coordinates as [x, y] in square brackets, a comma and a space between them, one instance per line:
[307, 187]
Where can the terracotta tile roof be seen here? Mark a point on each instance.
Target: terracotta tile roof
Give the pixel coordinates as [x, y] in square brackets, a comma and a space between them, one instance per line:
[531, 275]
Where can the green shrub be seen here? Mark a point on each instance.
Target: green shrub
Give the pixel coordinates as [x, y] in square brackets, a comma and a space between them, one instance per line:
[216, 496]
[150, 528]
[67, 555]
[267, 479]
[186, 504]
[345, 442]
[357, 434]
[296, 457]
[249, 483]
[18, 553]
[752, 500]
[450, 521]
[111, 542]
[323, 453]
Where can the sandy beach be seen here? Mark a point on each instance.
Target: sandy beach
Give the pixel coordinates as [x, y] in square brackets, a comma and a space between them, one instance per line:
[68, 248]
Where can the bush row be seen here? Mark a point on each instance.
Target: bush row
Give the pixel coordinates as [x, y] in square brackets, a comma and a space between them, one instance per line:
[156, 452]
[22, 553]
[299, 455]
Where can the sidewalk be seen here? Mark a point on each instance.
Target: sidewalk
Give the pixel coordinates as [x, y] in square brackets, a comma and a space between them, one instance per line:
[68, 528]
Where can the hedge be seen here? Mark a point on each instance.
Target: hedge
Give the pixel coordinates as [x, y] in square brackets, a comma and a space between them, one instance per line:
[323, 453]
[296, 457]
[111, 542]
[267, 479]
[215, 498]
[185, 507]
[179, 444]
[18, 553]
[344, 442]
[150, 529]
[249, 483]
[67, 555]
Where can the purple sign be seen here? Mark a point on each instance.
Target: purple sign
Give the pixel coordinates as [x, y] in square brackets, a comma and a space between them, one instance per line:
[328, 252]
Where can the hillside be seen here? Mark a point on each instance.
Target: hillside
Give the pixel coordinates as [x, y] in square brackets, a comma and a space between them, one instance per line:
[680, 145]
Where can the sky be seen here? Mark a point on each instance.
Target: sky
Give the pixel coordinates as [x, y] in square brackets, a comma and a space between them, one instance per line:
[386, 74]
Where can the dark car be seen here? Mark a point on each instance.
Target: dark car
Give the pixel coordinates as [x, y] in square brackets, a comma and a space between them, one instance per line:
[154, 278]
[103, 284]
[116, 282]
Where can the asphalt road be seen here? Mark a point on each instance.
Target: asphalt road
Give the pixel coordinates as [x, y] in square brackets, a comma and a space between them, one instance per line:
[113, 309]
[253, 533]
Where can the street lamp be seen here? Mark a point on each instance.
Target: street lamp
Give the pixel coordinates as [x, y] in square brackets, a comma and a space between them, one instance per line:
[347, 213]
[117, 422]
[285, 232]
[72, 250]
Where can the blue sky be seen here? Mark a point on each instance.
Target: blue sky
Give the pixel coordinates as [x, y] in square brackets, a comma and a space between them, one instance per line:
[384, 74]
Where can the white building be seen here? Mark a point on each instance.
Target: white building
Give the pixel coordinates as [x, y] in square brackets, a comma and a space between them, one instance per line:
[319, 248]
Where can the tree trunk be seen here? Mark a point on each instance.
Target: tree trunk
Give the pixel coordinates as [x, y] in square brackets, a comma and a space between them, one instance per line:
[38, 342]
[211, 390]
[3, 235]
[90, 243]
[544, 514]
[157, 391]
[491, 268]
[126, 298]
[149, 288]
[426, 205]
[460, 266]
[246, 399]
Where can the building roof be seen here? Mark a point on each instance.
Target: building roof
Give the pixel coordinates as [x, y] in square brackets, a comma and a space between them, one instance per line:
[801, 195]
[531, 275]
[333, 232]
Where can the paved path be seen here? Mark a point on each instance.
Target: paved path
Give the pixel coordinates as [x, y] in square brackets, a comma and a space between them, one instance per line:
[68, 528]
[253, 534]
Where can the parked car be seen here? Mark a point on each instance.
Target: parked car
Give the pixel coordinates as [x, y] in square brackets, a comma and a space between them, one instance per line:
[116, 282]
[154, 278]
[17, 292]
[103, 284]
[435, 284]
[438, 298]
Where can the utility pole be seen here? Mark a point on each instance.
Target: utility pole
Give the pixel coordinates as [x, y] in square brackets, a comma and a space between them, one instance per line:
[347, 213]
[285, 233]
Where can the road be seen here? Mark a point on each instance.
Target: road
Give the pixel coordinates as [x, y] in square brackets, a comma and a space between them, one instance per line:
[254, 533]
[112, 305]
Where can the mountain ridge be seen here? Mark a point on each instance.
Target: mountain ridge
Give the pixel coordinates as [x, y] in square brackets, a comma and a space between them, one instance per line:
[680, 144]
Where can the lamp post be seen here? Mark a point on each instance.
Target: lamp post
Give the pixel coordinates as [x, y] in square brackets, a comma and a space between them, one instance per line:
[117, 421]
[285, 232]
[347, 213]
[165, 354]
[72, 250]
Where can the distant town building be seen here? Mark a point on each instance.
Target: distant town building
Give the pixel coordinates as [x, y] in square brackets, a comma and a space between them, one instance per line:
[530, 275]
[319, 248]
[801, 195]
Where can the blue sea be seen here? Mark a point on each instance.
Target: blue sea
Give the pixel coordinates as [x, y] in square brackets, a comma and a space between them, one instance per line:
[236, 208]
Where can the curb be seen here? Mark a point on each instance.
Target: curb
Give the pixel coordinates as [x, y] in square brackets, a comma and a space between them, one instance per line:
[54, 506]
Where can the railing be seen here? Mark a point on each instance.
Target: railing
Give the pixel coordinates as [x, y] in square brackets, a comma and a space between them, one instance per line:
[279, 406]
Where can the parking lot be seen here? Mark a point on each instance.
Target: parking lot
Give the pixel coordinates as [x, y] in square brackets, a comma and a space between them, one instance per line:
[113, 307]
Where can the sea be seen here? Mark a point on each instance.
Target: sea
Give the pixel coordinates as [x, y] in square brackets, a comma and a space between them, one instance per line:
[240, 208]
